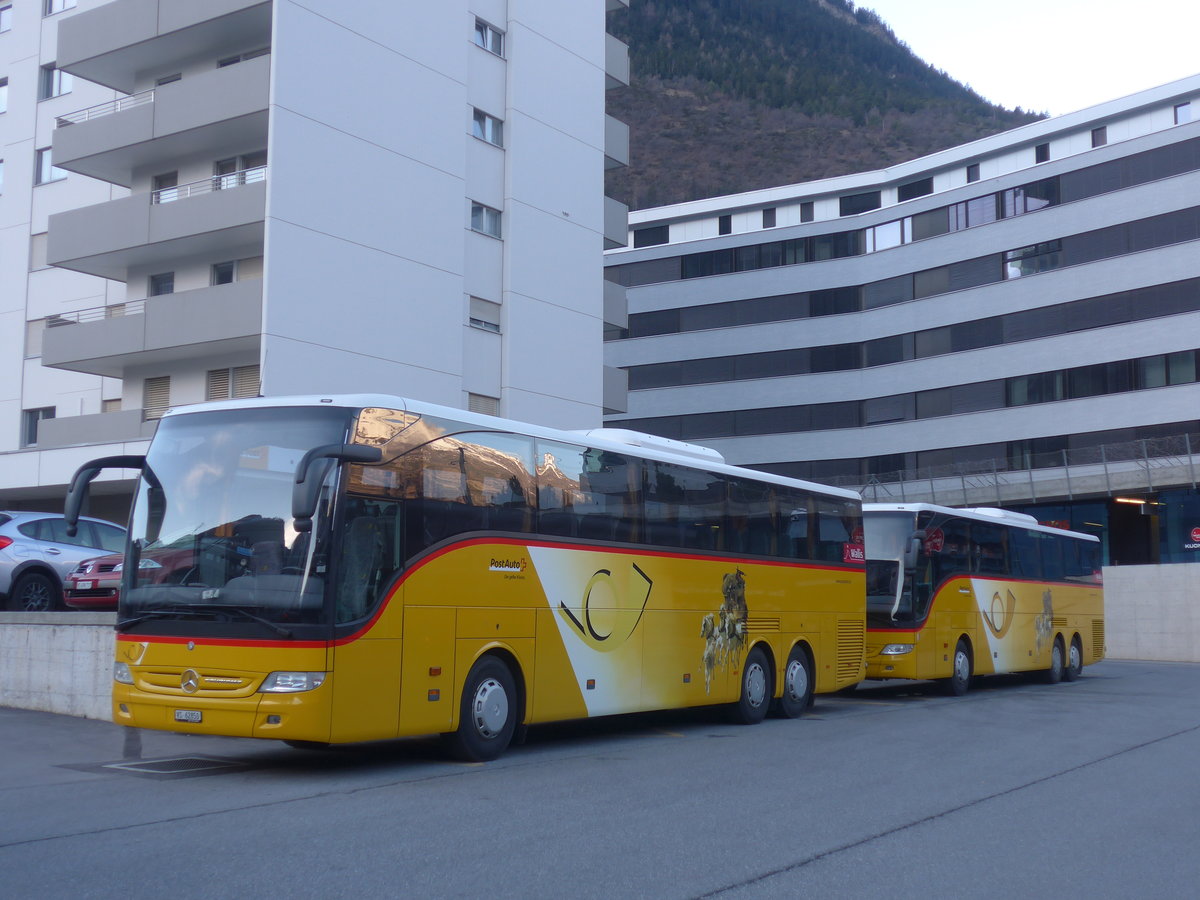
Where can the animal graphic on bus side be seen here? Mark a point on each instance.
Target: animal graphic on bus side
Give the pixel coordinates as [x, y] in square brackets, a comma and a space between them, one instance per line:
[725, 633]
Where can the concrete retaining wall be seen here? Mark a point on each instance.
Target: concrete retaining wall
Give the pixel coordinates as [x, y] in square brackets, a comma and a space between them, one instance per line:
[57, 662]
[62, 662]
[1153, 612]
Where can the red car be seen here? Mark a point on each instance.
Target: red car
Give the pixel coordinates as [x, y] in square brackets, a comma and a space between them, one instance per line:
[94, 583]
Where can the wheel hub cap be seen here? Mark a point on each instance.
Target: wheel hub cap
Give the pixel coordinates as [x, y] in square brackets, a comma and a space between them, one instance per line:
[490, 708]
[756, 685]
[796, 680]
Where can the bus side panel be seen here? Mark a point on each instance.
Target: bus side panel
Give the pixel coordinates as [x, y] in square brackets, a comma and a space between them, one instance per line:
[555, 692]
[674, 663]
[955, 614]
[366, 689]
[427, 679]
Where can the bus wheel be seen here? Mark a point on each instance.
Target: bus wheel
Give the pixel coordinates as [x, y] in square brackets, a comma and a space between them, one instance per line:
[487, 715]
[1074, 660]
[1054, 674]
[797, 686]
[958, 683]
[755, 697]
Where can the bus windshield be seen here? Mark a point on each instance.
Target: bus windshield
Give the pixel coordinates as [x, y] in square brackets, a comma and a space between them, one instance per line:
[212, 548]
[889, 598]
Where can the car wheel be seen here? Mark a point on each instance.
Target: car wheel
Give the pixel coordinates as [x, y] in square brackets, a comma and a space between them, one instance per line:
[797, 686]
[960, 682]
[35, 592]
[755, 697]
[1074, 660]
[487, 714]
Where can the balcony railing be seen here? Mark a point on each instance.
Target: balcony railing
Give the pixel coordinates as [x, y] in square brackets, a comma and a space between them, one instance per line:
[104, 109]
[208, 185]
[1147, 465]
[96, 313]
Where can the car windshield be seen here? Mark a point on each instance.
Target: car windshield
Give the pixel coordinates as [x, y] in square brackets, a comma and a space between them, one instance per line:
[213, 549]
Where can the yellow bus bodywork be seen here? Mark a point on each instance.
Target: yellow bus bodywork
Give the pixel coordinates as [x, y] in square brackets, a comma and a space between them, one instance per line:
[1010, 626]
[586, 632]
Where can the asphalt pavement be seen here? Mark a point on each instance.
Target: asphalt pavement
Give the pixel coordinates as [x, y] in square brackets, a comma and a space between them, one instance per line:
[1017, 789]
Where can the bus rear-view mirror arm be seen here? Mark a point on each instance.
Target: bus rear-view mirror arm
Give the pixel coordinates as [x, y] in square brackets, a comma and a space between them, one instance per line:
[84, 476]
[306, 491]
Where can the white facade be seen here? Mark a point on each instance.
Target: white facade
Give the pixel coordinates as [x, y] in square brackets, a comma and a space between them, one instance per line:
[399, 197]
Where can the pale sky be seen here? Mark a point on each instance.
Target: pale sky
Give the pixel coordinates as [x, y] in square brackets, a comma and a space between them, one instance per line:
[1052, 56]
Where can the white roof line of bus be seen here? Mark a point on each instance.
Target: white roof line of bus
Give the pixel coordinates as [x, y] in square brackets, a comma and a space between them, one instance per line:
[979, 514]
[576, 438]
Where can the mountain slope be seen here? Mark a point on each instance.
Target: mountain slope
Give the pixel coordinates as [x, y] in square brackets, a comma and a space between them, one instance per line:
[734, 95]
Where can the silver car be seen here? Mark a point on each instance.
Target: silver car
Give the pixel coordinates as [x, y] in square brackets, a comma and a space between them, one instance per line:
[36, 554]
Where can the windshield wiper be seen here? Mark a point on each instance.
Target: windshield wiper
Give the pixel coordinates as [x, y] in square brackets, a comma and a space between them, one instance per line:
[202, 609]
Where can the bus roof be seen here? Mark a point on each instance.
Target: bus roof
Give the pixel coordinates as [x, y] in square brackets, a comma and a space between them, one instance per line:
[978, 513]
[631, 443]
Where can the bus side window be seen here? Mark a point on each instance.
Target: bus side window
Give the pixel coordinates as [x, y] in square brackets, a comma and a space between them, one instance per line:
[835, 520]
[795, 539]
[1025, 557]
[750, 526]
[370, 556]
[954, 558]
[988, 549]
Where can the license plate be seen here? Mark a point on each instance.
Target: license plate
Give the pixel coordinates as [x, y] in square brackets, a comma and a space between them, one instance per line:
[188, 715]
[85, 585]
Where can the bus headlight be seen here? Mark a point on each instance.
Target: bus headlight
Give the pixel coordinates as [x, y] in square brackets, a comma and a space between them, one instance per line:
[291, 682]
[121, 673]
[896, 650]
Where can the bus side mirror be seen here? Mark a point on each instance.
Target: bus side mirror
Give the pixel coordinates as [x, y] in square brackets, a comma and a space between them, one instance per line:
[307, 490]
[84, 476]
[913, 549]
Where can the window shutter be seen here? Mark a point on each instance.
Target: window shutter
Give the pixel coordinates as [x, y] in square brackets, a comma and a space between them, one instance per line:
[245, 381]
[478, 403]
[217, 387]
[156, 396]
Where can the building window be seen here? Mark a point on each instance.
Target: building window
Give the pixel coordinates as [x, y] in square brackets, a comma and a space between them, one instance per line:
[168, 79]
[44, 170]
[3, 95]
[489, 38]
[110, 406]
[488, 128]
[914, 189]
[164, 187]
[238, 170]
[853, 204]
[156, 397]
[50, 7]
[806, 211]
[1099, 136]
[234, 383]
[485, 314]
[224, 272]
[1183, 113]
[1041, 153]
[242, 57]
[485, 220]
[481, 403]
[30, 420]
[769, 217]
[163, 283]
[53, 81]
[652, 236]
[725, 225]
[5, 17]
[972, 172]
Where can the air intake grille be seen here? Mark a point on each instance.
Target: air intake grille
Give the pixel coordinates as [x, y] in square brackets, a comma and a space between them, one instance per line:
[762, 624]
[851, 638]
[1097, 638]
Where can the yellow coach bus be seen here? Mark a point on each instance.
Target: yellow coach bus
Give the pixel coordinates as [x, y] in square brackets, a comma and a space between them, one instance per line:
[953, 593]
[326, 570]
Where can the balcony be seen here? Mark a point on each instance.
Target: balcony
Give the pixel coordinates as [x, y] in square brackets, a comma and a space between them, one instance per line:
[211, 321]
[616, 223]
[104, 428]
[122, 42]
[216, 218]
[616, 143]
[616, 63]
[206, 114]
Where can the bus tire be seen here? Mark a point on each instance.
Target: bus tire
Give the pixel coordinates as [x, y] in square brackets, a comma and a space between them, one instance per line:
[487, 715]
[797, 686]
[1074, 660]
[1054, 674]
[960, 681]
[755, 697]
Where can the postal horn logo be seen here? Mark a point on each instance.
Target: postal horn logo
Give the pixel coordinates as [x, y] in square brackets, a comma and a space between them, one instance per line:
[508, 565]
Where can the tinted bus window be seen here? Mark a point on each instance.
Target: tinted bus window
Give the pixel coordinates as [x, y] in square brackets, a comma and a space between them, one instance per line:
[1025, 556]
[836, 522]
[750, 526]
[988, 546]
[684, 507]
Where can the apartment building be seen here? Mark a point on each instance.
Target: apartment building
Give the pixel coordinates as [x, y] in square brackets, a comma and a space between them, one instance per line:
[1012, 322]
[214, 198]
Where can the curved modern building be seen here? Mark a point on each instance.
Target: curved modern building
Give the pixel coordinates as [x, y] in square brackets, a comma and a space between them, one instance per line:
[1014, 322]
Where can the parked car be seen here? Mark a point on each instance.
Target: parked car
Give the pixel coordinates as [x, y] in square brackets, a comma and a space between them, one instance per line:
[94, 583]
[36, 554]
